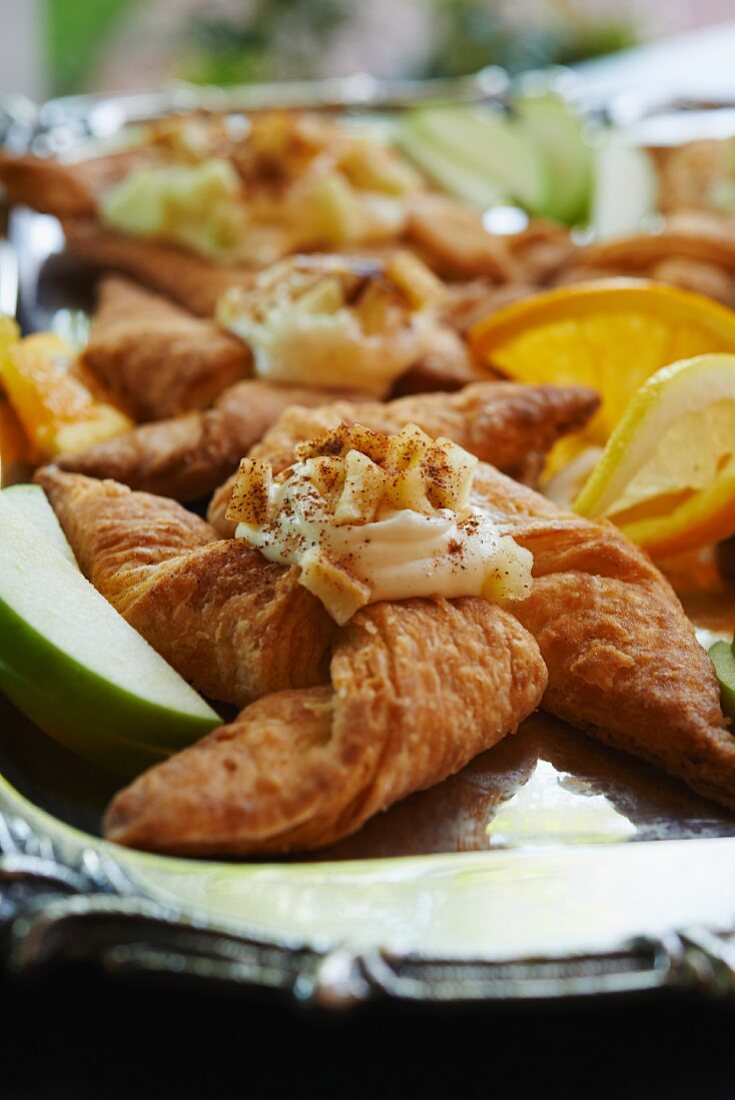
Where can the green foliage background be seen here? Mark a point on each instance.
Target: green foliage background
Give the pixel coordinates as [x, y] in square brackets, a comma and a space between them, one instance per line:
[274, 38]
[74, 29]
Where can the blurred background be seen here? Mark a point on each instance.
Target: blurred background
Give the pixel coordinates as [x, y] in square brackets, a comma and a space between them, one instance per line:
[54, 47]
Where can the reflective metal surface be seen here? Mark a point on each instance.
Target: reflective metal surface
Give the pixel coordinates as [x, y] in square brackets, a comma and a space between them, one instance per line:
[61, 124]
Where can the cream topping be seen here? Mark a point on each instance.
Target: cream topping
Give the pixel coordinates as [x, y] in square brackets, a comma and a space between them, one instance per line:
[363, 530]
[336, 321]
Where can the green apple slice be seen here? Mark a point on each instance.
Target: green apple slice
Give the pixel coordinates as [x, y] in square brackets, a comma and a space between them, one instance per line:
[458, 180]
[80, 672]
[33, 504]
[624, 190]
[484, 142]
[723, 659]
[559, 133]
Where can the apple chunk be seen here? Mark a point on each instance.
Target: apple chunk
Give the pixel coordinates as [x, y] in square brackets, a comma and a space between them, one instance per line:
[72, 664]
[33, 504]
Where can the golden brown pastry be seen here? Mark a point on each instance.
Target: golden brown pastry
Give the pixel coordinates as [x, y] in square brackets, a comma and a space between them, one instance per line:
[624, 664]
[511, 426]
[467, 303]
[703, 278]
[162, 360]
[453, 241]
[690, 235]
[186, 457]
[696, 176]
[193, 281]
[159, 359]
[541, 250]
[448, 365]
[232, 624]
[66, 190]
[622, 659]
[416, 690]
[189, 456]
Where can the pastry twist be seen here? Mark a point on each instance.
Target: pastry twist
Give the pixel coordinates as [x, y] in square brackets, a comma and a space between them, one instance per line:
[186, 457]
[623, 661]
[416, 690]
[233, 624]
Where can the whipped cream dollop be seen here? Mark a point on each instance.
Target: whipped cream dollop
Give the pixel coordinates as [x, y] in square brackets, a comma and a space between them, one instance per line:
[387, 525]
[336, 321]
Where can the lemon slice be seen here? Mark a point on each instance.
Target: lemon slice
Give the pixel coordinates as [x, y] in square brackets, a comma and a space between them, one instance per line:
[611, 335]
[667, 474]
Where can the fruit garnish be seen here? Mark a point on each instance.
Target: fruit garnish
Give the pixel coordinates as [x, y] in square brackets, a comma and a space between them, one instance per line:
[667, 474]
[60, 405]
[723, 659]
[33, 505]
[198, 205]
[538, 155]
[612, 335]
[624, 188]
[560, 134]
[485, 146]
[16, 449]
[76, 668]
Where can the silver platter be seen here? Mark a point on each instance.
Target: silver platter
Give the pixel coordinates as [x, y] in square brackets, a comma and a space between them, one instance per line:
[551, 867]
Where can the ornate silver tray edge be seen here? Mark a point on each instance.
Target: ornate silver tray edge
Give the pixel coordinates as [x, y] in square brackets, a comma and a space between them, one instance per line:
[62, 905]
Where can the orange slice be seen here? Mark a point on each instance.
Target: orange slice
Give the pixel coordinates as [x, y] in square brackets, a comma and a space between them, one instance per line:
[60, 406]
[17, 455]
[612, 335]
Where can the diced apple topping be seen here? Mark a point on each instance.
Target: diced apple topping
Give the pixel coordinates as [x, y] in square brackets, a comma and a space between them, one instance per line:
[387, 472]
[367, 516]
[375, 167]
[196, 204]
[336, 321]
[254, 190]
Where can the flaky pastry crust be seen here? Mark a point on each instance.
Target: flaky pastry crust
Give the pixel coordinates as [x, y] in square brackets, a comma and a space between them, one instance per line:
[186, 457]
[159, 359]
[416, 690]
[622, 659]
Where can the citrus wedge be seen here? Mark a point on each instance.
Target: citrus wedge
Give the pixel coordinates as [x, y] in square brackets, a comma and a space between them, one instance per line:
[16, 450]
[667, 474]
[611, 335]
[59, 404]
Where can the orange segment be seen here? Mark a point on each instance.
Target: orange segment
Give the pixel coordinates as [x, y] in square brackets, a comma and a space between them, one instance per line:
[61, 408]
[612, 335]
[16, 452]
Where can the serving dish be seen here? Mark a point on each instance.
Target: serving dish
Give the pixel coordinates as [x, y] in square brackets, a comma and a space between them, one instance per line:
[550, 867]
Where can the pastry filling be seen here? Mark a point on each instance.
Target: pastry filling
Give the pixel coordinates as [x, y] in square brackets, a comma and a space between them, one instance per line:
[370, 517]
[250, 191]
[336, 321]
[194, 205]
